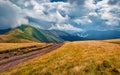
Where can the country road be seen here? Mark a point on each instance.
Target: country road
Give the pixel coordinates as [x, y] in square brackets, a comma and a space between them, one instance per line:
[17, 59]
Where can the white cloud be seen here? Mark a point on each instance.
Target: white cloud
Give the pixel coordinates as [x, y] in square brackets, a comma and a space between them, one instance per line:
[65, 27]
[105, 13]
[93, 14]
[10, 15]
[83, 20]
[71, 14]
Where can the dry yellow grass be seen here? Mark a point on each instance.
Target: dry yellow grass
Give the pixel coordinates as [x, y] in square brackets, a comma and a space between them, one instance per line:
[116, 41]
[74, 58]
[12, 46]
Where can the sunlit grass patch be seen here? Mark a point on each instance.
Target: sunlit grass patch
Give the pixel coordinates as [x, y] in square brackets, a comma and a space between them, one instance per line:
[12, 46]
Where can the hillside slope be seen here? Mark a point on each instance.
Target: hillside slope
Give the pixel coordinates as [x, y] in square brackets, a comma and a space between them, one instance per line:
[25, 33]
[74, 58]
[63, 35]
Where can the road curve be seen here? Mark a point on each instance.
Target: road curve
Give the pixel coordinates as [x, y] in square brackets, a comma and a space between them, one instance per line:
[33, 54]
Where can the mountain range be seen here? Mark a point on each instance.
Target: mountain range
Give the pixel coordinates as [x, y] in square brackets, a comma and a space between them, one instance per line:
[27, 33]
[99, 35]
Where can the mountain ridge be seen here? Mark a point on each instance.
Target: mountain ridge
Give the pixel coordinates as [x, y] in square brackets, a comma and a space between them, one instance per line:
[99, 35]
[27, 33]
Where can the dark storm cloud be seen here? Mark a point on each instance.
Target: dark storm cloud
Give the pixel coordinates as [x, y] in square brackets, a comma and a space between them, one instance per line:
[78, 2]
[96, 1]
[58, 0]
[114, 2]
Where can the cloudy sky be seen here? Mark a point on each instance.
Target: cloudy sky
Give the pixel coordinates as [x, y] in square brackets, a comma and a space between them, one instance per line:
[68, 15]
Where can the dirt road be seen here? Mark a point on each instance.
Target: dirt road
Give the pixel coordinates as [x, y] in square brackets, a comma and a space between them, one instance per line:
[13, 61]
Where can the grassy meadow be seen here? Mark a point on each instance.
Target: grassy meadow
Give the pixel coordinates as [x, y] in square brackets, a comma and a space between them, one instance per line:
[115, 41]
[74, 58]
[9, 50]
[13, 46]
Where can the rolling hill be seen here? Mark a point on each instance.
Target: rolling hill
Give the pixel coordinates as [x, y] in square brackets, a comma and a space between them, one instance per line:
[63, 35]
[27, 33]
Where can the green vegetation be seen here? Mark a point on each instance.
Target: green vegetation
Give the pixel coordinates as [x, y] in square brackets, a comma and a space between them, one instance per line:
[74, 58]
[27, 33]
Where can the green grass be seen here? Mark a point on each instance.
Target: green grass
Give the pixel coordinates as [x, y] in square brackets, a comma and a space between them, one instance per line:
[74, 58]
